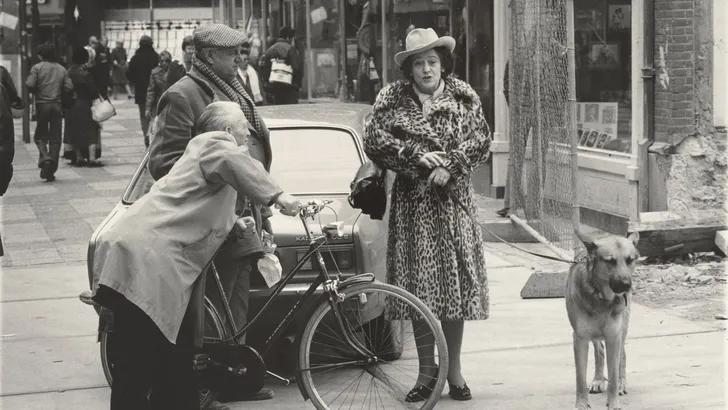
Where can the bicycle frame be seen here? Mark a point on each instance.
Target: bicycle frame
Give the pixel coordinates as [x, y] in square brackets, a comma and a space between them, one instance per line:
[330, 286]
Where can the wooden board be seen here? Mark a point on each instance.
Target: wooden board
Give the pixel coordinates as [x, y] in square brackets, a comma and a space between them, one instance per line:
[683, 234]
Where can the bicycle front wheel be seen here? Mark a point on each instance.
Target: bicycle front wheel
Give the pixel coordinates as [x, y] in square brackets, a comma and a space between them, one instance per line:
[402, 337]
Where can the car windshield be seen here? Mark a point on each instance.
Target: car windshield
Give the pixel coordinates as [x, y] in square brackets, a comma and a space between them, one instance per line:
[305, 161]
[313, 160]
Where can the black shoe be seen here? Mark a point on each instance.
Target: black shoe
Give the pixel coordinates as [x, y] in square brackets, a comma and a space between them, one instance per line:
[460, 393]
[46, 171]
[503, 213]
[422, 392]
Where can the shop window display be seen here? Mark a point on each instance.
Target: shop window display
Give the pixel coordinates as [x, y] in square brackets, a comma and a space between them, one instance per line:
[603, 74]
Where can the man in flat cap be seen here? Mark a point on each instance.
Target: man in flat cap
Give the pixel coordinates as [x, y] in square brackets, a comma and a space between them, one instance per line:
[213, 77]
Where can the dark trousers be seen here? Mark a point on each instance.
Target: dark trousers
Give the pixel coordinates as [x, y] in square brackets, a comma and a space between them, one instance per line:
[146, 361]
[234, 272]
[281, 94]
[145, 122]
[48, 137]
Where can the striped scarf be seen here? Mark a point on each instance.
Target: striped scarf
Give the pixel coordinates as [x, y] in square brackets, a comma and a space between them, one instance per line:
[234, 91]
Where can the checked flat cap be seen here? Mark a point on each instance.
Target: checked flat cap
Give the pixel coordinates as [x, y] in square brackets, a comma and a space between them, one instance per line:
[217, 36]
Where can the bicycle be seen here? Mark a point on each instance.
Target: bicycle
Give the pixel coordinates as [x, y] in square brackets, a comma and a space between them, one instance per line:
[329, 346]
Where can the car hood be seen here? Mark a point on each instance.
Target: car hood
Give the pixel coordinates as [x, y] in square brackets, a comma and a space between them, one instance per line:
[289, 231]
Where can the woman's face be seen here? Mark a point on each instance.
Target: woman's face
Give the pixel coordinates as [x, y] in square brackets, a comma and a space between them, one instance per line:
[164, 62]
[427, 71]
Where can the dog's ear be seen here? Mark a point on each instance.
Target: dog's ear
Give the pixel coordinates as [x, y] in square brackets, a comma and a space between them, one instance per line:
[586, 240]
[635, 238]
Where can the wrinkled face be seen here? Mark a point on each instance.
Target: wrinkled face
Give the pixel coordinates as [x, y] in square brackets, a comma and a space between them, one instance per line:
[427, 71]
[614, 260]
[224, 61]
[189, 52]
[240, 130]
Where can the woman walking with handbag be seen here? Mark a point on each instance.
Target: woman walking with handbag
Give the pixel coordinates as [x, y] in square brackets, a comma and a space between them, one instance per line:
[430, 130]
[81, 135]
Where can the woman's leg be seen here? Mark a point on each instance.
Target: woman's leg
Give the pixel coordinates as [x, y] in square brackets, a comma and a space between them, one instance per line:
[453, 330]
[425, 342]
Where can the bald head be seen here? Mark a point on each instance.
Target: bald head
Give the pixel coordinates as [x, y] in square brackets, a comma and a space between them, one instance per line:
[224, 116]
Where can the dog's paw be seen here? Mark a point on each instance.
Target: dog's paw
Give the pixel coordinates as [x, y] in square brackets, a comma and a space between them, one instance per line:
[622, 388]
[598, 386]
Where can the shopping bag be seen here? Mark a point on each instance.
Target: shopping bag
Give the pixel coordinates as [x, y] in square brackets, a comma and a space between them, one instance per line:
[102, 110]
[280, 72]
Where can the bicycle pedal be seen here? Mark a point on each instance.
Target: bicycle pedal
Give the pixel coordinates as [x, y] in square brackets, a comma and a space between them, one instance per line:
[200, 361]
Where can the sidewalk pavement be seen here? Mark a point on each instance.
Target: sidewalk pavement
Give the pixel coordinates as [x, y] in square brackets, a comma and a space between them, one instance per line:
[51, 222]
[520, 358]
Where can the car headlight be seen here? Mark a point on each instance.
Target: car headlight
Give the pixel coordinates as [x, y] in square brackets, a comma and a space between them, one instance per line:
[343, 258]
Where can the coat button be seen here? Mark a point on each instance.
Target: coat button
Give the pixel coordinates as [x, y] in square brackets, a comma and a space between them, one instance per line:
[238, 212]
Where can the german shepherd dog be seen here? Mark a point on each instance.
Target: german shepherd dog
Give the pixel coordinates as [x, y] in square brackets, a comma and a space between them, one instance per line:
[598, 302]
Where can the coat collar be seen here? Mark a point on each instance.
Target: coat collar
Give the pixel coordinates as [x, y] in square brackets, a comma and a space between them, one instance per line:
[202, 81]
[408, 113]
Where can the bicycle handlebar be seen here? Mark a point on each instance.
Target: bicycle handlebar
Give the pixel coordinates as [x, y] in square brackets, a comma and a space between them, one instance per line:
[313, 207]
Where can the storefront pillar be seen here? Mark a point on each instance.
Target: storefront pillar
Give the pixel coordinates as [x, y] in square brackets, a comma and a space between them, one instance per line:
[500, 147]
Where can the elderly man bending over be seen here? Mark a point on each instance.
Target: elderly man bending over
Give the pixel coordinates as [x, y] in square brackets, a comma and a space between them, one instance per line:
[150, 261]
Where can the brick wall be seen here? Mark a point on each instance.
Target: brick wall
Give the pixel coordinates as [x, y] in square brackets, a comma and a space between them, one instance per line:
[675, 40]
[694, 175]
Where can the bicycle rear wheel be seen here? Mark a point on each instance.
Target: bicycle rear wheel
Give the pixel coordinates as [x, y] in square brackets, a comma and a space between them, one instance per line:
[214, 330]
[335, 375]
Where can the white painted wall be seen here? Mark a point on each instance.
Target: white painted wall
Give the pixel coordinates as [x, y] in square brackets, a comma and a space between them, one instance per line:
[720, 63]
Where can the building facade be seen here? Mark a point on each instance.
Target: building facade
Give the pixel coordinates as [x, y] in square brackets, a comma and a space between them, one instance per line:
[651, 105]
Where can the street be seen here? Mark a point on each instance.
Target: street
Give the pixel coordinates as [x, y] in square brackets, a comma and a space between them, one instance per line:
[520, 358]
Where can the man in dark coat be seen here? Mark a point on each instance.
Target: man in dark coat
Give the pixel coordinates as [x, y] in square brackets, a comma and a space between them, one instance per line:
[213, 77]
[7, 142]
[282, 51]
[140, 68]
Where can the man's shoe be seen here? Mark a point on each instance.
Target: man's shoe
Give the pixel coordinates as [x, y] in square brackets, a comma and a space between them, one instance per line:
[262, 394]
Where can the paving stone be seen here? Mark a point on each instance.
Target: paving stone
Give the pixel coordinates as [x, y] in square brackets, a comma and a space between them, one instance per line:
[43, 189]
[91, 205]
[121, 170]
[16, 212]
[23, 232]
[109, 185]
[75, 252]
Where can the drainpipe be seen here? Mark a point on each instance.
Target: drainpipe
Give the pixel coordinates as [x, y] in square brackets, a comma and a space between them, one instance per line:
[647, 145]
[648, 72]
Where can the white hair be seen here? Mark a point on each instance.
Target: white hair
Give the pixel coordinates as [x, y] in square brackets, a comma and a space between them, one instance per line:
[219, 115]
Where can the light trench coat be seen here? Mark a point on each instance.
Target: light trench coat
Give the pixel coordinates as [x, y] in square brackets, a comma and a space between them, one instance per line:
[158, 249]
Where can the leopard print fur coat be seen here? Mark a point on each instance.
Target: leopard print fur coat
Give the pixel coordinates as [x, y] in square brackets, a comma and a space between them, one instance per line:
[434, 250]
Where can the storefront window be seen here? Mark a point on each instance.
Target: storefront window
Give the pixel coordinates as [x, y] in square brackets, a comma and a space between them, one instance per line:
[603, 74]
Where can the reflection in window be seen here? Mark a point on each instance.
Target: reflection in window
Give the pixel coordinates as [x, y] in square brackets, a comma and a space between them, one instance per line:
[603, 74]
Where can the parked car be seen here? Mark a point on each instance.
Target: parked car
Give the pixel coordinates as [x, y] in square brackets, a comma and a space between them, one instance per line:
[317, 149]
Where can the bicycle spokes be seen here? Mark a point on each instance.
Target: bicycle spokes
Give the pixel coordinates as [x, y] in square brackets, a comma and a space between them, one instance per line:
[401, 352]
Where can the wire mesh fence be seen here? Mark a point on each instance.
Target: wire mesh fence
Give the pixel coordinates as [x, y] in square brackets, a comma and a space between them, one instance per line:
[541, 188]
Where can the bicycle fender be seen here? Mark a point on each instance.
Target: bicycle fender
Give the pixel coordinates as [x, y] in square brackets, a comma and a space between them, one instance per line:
[357, 280]
[352, 281]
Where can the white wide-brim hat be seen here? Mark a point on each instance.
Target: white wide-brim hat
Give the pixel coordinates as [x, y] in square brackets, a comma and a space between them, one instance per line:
[419, 40]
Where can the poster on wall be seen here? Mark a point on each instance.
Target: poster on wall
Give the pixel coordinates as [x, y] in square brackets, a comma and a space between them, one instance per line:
[596, 123]
[620, 17]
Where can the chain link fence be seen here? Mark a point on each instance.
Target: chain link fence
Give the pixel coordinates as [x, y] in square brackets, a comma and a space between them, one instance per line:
[541, 190]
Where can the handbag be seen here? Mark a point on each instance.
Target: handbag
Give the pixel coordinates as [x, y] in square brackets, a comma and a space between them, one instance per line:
[368, 191]
[102, 110]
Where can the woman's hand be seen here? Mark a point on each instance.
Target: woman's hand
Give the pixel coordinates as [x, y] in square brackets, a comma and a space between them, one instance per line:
[432, 159]
[439, 176]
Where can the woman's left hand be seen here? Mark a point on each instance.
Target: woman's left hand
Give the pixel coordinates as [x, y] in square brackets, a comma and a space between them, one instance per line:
[439, 176]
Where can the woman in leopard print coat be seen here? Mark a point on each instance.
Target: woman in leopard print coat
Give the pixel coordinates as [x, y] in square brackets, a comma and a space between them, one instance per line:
[430, 130]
